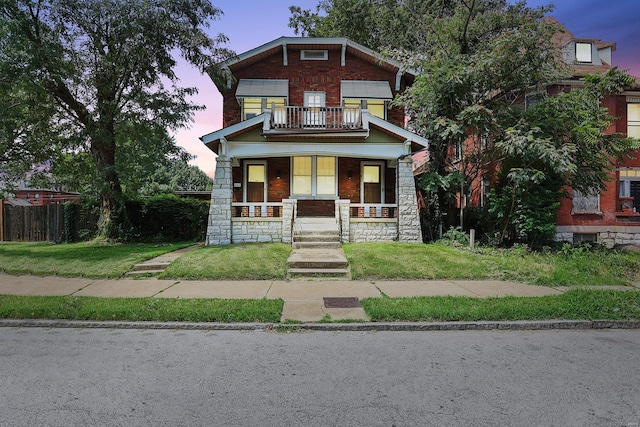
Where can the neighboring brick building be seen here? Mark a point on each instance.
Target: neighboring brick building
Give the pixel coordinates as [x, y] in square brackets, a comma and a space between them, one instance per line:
[308, 131]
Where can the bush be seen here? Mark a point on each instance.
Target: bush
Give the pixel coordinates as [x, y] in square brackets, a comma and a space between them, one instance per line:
[167, 217]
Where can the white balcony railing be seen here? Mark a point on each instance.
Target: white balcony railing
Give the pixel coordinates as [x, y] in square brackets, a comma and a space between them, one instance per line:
[326, 118]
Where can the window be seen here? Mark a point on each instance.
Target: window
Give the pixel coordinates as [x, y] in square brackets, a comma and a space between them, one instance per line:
[583, 52]
[486, 189]
[458, 150]
[314, 55]
[258, 95]
[532, 99]
[633, 120]
[302, 175]
[252, 107]
[314, 176]
[579, 238]
[585, 203]
[630, 186]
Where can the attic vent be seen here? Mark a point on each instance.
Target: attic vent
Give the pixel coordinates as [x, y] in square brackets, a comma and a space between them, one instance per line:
[314, 55]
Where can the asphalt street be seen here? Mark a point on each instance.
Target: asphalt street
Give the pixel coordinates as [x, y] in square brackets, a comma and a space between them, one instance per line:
[108, 377]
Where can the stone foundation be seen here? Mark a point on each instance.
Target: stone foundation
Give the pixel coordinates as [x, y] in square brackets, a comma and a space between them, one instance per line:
[609, 236]
[251, 230]
[373, 230]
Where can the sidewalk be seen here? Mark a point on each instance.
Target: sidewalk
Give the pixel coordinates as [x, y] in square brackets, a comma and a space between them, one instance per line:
[304, 299]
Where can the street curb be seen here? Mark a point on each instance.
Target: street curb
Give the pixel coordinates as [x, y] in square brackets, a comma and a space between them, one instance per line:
[332, 327]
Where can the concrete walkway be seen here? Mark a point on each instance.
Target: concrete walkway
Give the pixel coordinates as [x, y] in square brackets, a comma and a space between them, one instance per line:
[304, 299]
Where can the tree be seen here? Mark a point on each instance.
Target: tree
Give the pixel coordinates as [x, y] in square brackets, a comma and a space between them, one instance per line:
[103, 71]
[559, 142]
[477, 61]
[376, 24]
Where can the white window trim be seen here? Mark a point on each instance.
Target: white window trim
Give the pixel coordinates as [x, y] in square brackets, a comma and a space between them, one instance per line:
[314, 178]
[305, 57]
[245, 178]
[383, 173]
[590, 52]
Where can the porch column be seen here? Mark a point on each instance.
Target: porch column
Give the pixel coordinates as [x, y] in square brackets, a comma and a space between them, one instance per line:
[408, 216]
[219, 227]
[344, 218]
[288, 217]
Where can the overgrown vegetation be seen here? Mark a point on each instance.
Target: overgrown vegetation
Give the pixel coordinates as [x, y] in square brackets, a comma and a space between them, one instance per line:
[140, 309]
[566, 266]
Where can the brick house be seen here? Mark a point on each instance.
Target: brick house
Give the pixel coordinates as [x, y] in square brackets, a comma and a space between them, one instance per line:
[308, 131]
[611, 217]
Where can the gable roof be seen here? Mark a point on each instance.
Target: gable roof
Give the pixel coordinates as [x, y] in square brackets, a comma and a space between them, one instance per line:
[281, 44]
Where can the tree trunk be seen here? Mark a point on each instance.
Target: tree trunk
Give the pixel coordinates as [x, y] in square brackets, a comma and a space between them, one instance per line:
[112, 223]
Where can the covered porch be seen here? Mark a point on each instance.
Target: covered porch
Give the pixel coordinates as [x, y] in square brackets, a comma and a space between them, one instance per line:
[267, 178]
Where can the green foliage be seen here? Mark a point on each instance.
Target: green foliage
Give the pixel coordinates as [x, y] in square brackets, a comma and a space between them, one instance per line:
[384, 23]
[167, 217]
[92, 76]
[576, 304]
[455, 237]
[140, 309]
[69, 221]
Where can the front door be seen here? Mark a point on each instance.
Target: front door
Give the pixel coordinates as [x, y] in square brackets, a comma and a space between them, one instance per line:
[255, 183]
[634, 191]
[372, 183]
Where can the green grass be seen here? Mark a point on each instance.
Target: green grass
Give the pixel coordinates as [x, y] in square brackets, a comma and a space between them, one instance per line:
[245, 261]
[575, 304]
[403, 261]
[139, 309]
[88, 259]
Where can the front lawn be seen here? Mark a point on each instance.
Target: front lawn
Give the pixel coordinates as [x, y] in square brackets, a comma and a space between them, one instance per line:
[93, 259]
[242, 261]
[574, 267]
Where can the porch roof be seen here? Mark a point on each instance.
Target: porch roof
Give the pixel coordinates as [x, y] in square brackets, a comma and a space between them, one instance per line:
[213, 140]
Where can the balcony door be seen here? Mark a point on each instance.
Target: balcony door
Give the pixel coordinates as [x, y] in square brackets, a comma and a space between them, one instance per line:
[313, 114]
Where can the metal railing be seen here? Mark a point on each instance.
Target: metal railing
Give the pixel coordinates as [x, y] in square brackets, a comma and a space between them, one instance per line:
[331, 118]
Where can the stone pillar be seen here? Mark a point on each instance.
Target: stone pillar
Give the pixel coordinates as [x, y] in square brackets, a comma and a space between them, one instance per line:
[408, 216]
[343, 216]
[289, 207]
[219, 228]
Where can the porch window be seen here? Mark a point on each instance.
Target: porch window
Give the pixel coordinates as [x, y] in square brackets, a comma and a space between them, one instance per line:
[314, 176]
[314, 116]
[633, 120]
[302, 175]
[376, 107]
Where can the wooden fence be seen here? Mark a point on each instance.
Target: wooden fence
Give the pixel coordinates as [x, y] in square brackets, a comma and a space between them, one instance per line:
[42, 223]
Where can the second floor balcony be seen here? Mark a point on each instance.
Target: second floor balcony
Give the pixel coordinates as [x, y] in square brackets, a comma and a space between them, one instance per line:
[288, 118]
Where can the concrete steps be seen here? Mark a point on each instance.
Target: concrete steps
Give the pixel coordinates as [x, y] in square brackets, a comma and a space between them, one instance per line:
[316, 250]
[159, 264]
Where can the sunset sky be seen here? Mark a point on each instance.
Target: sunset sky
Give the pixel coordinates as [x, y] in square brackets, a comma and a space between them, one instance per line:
[249, 24]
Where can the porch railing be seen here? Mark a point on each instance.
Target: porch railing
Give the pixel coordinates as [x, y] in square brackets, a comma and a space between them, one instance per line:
[256, 210]
[373, 210]
[332, 118]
